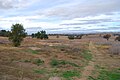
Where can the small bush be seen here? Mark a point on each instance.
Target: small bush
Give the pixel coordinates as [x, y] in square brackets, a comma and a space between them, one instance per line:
[117, 38]
[107, 36]
[40, 35]
[79, 36]
[54, 62]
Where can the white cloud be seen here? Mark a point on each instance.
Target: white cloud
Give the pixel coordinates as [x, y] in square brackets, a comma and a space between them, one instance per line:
[27, 21]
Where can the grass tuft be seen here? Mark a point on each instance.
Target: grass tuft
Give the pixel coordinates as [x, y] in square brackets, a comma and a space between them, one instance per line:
[32, 51]
[56, 63]
[70, 74]
[38, 62]
[87, 55]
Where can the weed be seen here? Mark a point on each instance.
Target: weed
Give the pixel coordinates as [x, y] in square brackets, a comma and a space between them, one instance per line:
[38, 62]
[54, 62]
[70, 74]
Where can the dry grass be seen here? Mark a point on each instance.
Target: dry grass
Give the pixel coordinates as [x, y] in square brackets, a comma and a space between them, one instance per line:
[115, 49]
[35, 54]
[22, 62]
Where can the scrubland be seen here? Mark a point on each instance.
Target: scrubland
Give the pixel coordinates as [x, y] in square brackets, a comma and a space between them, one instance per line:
[89, 58]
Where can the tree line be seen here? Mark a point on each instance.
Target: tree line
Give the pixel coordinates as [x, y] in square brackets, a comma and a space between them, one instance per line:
[17, 34]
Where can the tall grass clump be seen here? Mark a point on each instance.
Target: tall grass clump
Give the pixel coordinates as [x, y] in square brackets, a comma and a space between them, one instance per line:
[115, 49]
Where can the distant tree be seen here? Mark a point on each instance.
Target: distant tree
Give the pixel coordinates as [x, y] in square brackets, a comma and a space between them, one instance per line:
[86, 34]
[38, 35]
[107, 36]
[41, 35]
[71, 37]
[33, 35]
[100, 35]
[57, 36]
[79, 36]
[4, 33]
[117, 38]
[17, 34]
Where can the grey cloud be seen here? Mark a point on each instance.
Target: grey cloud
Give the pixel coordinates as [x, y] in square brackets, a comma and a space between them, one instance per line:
[118, 25]
[12, 4]
[85, 9]
[54, 28]
[6, 4]
[34, 28]
[0, 28]
[101, 25]
[95, 21]
[115, 28]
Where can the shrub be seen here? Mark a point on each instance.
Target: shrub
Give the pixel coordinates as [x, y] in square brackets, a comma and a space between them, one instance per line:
[17, 34]
[4, 33]
[71, 37]
[107, 36]
[40, 35]
[54, 62]
[79, 36]
[117, 38]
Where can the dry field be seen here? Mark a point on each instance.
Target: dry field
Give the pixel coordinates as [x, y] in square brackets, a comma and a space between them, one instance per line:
[90, 58]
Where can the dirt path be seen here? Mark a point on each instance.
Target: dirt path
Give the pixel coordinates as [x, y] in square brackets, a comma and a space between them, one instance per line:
[90, 67]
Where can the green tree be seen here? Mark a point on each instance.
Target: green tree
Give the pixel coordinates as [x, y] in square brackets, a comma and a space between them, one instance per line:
[4, 33]
[41, 35]
[38, 35]
[79, 36]
[17, 34]
[33, 35]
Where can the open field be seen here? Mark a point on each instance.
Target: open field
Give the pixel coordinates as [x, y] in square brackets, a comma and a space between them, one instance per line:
[89, 58]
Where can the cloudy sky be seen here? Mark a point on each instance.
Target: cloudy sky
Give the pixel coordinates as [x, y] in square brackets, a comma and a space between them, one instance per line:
[61, 16]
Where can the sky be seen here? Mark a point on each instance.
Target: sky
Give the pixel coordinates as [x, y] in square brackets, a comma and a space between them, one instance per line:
[61, 16]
